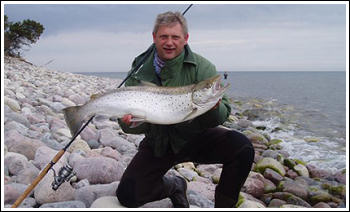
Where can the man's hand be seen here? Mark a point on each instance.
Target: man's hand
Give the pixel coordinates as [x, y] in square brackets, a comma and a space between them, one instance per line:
[129, 120]
[126, 119]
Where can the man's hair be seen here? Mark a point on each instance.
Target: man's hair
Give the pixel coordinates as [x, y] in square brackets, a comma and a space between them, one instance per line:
[170, 18]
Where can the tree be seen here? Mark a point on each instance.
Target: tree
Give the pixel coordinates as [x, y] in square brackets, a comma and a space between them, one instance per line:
[20, 34]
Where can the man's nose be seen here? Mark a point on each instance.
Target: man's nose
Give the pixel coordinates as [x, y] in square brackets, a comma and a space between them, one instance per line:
[169, 42]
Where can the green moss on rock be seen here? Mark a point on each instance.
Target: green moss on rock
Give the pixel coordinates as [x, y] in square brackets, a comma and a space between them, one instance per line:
[274, 141]
[289, 163]
[269, 163]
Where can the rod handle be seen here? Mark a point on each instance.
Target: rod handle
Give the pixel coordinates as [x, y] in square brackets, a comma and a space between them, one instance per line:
[37, 179]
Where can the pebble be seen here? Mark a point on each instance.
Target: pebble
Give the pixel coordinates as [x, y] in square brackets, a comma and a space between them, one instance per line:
[107, 202]
[35, 131]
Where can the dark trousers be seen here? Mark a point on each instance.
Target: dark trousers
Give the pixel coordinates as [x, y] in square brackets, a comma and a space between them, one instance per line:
[143, 182]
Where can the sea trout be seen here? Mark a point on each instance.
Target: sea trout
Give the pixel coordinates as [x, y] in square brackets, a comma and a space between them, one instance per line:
[150, 103]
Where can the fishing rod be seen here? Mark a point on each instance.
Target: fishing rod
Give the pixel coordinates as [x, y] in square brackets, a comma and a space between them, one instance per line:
[58, 179]
[142, 61]
[66, 172]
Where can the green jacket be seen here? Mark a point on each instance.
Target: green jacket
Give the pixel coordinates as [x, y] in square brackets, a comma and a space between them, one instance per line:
[185, 69]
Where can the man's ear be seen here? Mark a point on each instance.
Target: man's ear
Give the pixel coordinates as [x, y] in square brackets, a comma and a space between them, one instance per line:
[154, 37]
[186, 38]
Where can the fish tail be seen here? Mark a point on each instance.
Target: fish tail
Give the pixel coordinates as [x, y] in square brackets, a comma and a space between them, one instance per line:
[72, 118]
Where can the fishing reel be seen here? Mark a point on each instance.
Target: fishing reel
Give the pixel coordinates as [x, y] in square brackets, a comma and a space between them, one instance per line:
[64, 174]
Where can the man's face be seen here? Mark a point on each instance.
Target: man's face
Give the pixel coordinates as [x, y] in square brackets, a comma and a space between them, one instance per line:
[170, 41]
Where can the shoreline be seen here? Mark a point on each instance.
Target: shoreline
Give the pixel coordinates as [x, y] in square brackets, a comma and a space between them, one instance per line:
[35, 129]
[303, 123]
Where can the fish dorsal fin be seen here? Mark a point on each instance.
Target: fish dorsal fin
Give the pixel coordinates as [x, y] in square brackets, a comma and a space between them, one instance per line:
[146, 83]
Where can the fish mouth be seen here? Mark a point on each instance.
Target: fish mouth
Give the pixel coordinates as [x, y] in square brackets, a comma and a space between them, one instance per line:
[218, 88]
[214, 90]
[217, 85]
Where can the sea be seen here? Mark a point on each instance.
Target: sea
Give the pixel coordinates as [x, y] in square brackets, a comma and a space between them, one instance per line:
[315, 130]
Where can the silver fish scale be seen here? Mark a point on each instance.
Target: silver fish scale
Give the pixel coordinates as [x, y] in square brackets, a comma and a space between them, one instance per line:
[157, 107]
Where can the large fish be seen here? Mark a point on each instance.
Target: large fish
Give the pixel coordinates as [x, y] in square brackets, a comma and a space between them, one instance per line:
[150, 103]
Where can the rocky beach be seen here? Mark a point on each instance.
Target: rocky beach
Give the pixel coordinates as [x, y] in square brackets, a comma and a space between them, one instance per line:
[35, 130]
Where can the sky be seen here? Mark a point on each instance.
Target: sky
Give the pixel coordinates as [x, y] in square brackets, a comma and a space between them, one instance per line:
[250, 36]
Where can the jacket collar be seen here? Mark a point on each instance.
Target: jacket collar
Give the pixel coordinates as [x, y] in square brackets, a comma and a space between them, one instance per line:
[147, 72]
[189, 58]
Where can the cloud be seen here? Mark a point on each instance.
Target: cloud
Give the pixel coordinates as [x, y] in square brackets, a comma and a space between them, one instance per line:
[109, 37]
[101, 51]
[90, 51]
[272, 46]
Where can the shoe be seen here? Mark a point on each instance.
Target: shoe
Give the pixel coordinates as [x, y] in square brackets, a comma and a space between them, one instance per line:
[223, 201]
[179, 197]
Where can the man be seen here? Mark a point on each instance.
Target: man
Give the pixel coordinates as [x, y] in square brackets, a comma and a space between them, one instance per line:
[172, 63]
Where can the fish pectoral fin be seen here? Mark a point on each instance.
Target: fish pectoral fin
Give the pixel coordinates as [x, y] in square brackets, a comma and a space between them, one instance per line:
[194, 110]
[137, 119]
[136, 124]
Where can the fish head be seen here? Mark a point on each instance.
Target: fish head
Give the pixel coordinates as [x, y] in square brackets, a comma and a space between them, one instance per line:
[208, 92]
